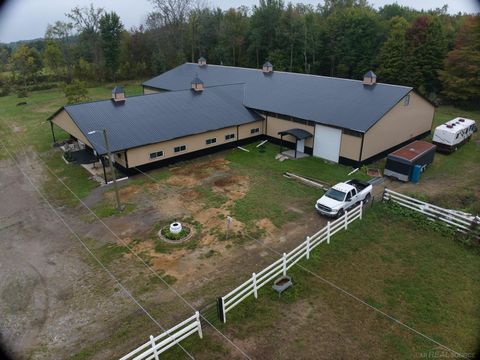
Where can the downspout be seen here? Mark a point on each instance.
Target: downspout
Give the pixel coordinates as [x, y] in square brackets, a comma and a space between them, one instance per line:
[53, 132]
[361, 151]
[266, 124]
[126, 159]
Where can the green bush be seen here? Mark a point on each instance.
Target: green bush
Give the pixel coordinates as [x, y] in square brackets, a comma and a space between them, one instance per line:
[22, 92]
[171, 236]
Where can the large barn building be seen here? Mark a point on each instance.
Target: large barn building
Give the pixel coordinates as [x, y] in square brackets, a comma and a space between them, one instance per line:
[198, 108]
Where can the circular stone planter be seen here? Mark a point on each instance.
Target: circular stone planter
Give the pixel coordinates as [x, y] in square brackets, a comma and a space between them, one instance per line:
[166, 228]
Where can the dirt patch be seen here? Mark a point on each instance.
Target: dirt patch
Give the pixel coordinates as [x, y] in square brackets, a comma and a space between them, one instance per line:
[126, 193]
[234, 187]
[267, 225]
[201, 170]
[17, 129]
[183, 180]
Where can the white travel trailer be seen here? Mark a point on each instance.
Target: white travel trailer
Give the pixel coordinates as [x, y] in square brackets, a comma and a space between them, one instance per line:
[454, 133]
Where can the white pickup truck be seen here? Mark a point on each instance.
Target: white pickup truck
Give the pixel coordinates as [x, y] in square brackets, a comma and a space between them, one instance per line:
[343, 196]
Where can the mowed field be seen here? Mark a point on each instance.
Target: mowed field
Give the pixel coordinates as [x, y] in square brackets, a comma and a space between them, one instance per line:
[425, 278]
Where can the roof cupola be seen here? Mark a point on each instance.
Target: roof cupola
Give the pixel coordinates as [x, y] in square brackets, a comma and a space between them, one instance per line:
[369, 78]
[197, 84]
[267, 68]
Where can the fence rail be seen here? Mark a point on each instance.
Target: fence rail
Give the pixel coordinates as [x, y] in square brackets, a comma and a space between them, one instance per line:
[280, 267]
[462, 221]
[159, 344]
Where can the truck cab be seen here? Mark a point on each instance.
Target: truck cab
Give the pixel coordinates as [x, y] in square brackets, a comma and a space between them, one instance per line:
[343, 196]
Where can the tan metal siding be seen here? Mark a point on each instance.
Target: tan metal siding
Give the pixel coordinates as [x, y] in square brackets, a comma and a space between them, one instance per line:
[64, 121]
[400, 124]
[275, 125]
[244, 131]
[120, 158]
[141, 155]
[350, 146]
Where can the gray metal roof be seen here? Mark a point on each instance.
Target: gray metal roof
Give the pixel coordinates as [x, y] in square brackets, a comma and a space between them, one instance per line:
[117, 90]
[331, 101]
[148, 119]
[297, 133]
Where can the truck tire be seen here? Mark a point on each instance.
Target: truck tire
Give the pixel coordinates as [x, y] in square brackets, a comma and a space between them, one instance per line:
[367, 199]
[340, 213]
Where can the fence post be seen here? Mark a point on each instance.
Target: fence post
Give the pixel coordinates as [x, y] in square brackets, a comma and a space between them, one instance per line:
[152, 342]
[254, 280]
[361, 209]
[346, 219]
[328, 232]
[221, 309]
[308, 247]
[284, 264]
[385, 193]
[199, 324]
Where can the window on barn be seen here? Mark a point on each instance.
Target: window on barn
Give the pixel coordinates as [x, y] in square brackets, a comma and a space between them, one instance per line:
[180, 148]
[254, 131]
[211, 141]
[229, 136]
[406, 100]
[156, 154]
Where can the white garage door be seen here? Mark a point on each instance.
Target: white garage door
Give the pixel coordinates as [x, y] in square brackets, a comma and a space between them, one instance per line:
[327, 142]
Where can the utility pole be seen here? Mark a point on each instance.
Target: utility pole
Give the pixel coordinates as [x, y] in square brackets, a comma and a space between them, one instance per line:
[112, 169]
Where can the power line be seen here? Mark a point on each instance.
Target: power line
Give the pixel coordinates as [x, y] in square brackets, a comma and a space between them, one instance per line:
[87, 248]
[362, 301]
[137, 256]
[331, 283]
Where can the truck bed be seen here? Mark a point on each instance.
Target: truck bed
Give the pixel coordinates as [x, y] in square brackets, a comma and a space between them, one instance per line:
[358, 184]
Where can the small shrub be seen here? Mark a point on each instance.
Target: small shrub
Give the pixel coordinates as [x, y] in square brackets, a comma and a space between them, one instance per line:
[22, 92]
[76, 92]
[171, 236]
[68, 156]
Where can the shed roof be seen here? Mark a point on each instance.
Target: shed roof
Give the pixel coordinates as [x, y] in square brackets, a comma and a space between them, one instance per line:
[299, 134]
[153, 118]
[342, 103]
[413, 150]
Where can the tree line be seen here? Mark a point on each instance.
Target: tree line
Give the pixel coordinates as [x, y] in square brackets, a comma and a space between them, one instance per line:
[433, 51]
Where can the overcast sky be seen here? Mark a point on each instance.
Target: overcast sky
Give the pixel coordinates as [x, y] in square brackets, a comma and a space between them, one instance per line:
[28, 19]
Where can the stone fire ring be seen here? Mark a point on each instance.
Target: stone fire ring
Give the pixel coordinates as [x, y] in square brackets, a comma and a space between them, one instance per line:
[186, 238]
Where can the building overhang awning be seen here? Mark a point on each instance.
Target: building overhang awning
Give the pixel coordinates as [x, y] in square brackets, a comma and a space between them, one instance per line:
[299, 134]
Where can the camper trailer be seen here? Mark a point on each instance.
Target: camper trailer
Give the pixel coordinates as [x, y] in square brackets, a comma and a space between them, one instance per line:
[454, 133]
[408, 162]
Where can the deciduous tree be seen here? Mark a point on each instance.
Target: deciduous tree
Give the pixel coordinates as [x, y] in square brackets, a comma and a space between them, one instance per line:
[461, 77]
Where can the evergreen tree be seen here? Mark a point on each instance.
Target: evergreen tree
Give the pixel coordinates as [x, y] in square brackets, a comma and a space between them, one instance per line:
[111, 32]
[392, 57]
[427, 48]
[354, 35]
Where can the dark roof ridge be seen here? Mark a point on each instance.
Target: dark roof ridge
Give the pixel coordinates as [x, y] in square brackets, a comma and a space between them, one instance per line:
[297, 73]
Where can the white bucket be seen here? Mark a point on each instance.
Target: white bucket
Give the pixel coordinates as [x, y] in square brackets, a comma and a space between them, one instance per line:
[175, 228]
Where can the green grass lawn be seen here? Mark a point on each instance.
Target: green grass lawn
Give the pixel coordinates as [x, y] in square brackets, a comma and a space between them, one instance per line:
[399, 264]
[27, 124]
[271, 194]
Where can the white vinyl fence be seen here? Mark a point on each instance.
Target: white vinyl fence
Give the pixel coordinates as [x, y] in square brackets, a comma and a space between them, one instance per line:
[462, 221]
[280, 267]
[157, 345]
